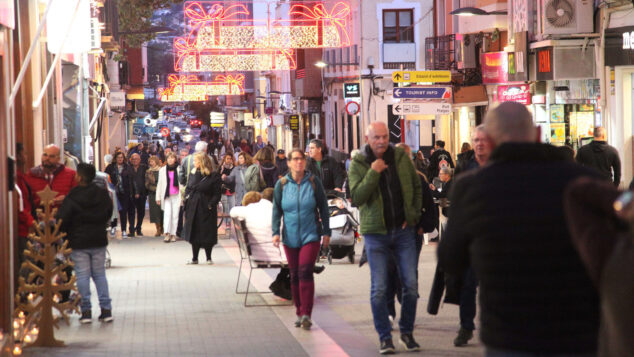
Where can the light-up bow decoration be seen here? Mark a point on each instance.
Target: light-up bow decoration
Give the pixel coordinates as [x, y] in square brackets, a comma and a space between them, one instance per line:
[227, 25]
[188, 88]
[187, 58]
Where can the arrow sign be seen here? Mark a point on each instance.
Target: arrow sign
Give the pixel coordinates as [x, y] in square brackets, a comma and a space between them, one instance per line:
[421, 108]
[422, 76]
[422, 93]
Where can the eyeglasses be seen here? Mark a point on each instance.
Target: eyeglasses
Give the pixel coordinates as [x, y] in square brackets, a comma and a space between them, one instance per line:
[298, 159]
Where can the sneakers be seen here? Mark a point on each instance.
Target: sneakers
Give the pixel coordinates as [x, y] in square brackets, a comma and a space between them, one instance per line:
[173, 239]
[463, 337]
[192, 262]
[298, 323]
[210, 262]
[131, 234]
[106, 315]
[124, 235]
[139, 233]
[86, 317]
[387, 347]
[305, 322]
[166, 239]
[407, 340]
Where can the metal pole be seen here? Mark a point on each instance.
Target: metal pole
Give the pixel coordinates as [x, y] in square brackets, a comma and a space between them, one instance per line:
[94, 117]
[27, 59]
[58, 56]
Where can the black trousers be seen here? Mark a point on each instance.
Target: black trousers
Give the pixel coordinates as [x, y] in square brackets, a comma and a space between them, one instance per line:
[196, 248]
[125, 203]
[136, 212]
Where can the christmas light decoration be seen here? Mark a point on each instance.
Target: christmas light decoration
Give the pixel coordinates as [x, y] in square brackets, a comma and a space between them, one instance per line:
[232, 26]
[188, 88]
[190, 59]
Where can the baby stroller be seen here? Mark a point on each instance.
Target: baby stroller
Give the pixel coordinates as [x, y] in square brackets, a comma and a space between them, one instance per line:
[344, 230]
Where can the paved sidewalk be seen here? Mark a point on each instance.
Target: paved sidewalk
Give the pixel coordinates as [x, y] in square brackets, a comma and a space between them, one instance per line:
[163, 307]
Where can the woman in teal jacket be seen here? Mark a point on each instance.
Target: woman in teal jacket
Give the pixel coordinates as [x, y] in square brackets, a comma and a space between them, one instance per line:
[299, 204]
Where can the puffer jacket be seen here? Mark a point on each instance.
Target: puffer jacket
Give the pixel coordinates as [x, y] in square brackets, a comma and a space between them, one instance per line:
[62, 180]
[366, 194]
[298, 203]
[85, 213]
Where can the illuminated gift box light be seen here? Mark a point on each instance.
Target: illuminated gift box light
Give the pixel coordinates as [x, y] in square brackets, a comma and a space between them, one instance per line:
[188, 88]
[187, 58]
[216, 25]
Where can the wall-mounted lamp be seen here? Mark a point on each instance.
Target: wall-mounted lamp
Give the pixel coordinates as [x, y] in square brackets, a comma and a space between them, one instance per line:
[321, 64]
[474, 11]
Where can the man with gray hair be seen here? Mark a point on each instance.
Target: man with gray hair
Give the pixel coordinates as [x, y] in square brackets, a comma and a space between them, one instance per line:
[601, 157]
[507, 223]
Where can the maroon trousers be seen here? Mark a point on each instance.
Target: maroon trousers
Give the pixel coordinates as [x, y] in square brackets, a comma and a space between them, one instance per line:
[301, 262]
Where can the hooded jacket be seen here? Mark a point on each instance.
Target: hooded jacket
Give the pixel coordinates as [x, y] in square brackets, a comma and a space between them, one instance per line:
[603, 158]
[331, 173]
[366, 191]
[298, 204]
[85, 212]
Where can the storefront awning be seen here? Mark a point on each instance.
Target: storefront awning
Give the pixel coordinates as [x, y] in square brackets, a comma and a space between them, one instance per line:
[470, 96]
[135, 93]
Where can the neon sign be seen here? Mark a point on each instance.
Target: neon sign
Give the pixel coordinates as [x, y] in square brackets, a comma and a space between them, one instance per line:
[227, 25]
[188, 88]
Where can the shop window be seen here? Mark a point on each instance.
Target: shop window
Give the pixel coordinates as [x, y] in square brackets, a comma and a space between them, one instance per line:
[397, 26]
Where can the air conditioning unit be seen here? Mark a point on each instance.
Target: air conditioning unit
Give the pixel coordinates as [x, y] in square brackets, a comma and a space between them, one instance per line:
[564, 17]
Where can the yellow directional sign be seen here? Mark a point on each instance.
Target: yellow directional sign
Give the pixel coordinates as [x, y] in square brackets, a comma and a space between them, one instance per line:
[421, 76]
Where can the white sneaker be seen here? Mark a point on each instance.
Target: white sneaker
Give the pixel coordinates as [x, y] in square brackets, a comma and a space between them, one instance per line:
[124, 235]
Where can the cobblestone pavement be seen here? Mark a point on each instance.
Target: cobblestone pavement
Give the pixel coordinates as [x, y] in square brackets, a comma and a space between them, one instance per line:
[163, 307]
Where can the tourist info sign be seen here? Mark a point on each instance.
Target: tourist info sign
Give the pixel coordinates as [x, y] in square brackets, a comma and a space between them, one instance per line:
[421, 76]
[421, 108]
[422, 93]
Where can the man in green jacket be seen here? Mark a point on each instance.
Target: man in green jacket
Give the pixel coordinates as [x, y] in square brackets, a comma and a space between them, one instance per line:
[385, 187]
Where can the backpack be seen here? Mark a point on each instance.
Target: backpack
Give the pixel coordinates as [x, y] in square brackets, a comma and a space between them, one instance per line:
[253, 179]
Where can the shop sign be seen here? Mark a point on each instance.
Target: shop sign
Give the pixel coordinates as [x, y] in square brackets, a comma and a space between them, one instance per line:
[352, 90]
[216, 119]
[494, 67]
[520, 94]
[545, 64]
[117, 99]
[430, 108]
[619, 46]
[518, 60]
[293, 122]
[278, 119]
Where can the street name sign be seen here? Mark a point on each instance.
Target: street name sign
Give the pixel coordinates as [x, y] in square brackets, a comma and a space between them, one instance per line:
[421, 108]
[421, 76]
[422, 93]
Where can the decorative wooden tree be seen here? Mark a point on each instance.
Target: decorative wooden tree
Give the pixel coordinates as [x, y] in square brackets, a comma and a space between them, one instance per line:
[45, 281]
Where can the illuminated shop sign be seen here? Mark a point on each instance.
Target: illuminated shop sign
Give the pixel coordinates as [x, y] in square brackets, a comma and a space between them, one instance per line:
[184, 88]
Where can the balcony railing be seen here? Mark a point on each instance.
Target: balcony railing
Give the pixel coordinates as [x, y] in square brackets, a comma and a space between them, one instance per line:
[396, 55]
[439, 53]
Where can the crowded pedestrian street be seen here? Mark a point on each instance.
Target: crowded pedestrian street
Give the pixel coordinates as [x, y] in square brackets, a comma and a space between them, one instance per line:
[163, 307]
[317, 178]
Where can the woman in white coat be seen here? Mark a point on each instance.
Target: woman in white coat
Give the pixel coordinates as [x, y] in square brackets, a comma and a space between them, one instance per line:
[168, 196]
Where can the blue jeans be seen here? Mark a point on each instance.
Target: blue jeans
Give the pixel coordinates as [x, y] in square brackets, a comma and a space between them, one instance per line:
[401, 244]
[91, 262]
[493, 352]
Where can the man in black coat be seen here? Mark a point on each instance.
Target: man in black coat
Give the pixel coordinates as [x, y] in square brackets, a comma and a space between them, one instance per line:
[325, 167]
[438, 159]
[281, 162]
[601, 157]
[507, 222]
[85, 214]
[136, 213]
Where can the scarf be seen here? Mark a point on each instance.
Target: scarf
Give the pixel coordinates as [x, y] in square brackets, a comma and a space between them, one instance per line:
[167, 172]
